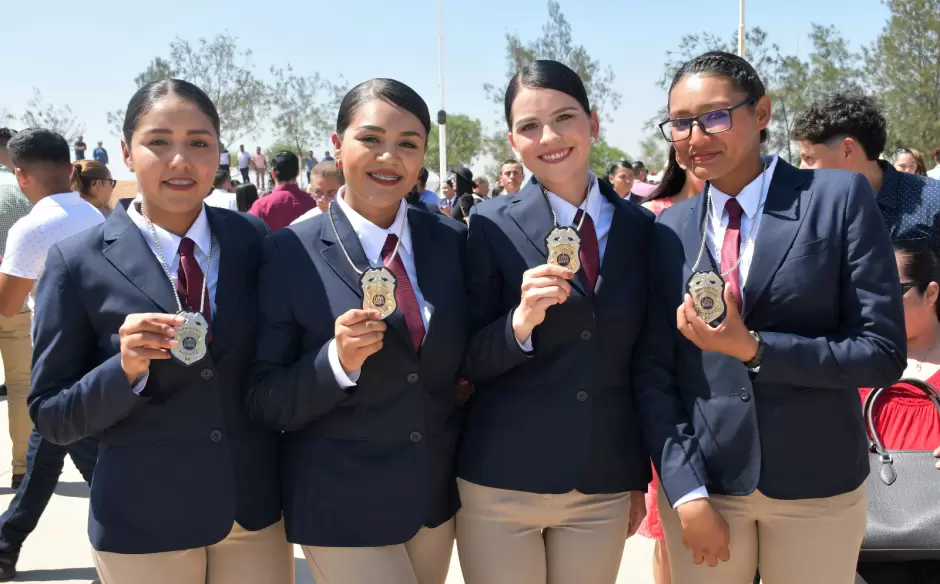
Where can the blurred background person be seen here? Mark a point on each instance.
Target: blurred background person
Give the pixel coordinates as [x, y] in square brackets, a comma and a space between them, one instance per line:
[92, 180]
[223, 192]
[481, 186]
[678, 184]
[425, 194]
[935, 173]
[287, 201]
[100, 154]
[641, 188]
[325, 181]
[621, 178]
[245, 196]
[511, 174]
[909, 160]
[261, 167]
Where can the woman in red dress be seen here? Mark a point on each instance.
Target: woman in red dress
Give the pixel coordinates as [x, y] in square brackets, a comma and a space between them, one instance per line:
[904, 417]
[677, 185]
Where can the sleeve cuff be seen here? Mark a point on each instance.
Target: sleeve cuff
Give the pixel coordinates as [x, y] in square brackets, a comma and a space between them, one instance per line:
[342, 378]
[525, 345]
[141, 383]
[699, 493]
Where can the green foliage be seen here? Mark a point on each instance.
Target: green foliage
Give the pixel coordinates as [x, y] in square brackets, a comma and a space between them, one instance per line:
[654, 149]
[903, 66]
[58, 119]
[464, 142]
[603, 156]
[304, 107]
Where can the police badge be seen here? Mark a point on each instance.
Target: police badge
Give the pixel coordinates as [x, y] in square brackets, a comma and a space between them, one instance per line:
[191, 339]
[564, 248]
[378, 290]
[707, 291]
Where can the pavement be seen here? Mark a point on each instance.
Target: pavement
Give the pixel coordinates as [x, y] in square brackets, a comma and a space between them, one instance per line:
[58, 551]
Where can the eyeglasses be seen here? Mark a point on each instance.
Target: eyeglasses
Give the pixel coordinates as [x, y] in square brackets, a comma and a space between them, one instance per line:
[713, 122]
[109, 181]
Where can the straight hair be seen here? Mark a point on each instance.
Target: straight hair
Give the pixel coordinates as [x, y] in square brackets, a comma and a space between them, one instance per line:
[546, 74]
[921, 265]
[388, 90]
[149, 95]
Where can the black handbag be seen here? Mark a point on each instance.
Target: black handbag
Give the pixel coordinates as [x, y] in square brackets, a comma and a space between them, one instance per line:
[903, 495]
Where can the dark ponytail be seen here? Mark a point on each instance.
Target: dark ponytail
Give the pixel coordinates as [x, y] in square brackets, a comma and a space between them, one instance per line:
[920, 265]
[673, 180]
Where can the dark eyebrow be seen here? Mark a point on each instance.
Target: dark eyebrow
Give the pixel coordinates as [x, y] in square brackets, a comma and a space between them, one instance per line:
[188, 133]
[707, 107]
[382, 131]
[554, 113]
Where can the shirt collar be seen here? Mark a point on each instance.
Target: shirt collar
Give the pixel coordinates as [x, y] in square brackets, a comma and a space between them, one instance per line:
[371, 236]
[170, 242]
[565, 211]
[750, 196]
[887, 194]
[60, 200]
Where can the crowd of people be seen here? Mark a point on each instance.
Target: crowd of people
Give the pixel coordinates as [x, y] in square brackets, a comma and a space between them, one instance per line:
[535, 369]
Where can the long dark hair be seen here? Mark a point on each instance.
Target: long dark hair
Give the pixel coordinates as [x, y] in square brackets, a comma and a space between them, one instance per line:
[673, 180]
[545, 74]
[921, 264]
[245, 196]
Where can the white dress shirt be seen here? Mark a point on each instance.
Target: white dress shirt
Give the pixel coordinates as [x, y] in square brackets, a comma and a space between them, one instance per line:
[222, 199]
[935, 173]
[751, 197]
[602, 214]
[372, 238]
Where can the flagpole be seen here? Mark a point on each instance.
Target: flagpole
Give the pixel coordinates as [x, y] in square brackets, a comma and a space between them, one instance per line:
[741, 31]
[441, 115]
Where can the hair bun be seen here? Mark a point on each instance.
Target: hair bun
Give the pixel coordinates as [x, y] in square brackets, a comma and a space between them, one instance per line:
[78, 169]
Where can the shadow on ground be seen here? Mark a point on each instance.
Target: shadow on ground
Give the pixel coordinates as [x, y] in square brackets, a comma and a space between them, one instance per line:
[59, 575]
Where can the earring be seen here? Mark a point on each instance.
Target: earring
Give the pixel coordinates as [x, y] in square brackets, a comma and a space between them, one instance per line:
[339, 164]
[593, 140]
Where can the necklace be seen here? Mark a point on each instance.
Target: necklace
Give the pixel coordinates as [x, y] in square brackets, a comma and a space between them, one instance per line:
[707, 287]
[919, 363]
[191, 335]
[564, 243]
[378, 284]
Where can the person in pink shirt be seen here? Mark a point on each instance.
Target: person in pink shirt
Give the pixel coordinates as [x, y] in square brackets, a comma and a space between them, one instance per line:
[641, 189]
[261, 166]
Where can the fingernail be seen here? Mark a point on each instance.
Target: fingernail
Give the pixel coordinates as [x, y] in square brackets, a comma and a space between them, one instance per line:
[171, 331]
[174, 343]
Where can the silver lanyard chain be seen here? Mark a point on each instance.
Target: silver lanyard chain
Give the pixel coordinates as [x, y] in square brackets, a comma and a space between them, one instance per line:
[391, 258]
[587, 199]
[166, 268]
[747, 243]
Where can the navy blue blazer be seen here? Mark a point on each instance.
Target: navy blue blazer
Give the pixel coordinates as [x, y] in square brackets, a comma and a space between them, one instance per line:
[370, 465]
[561, 417]
[823, 291]
[180, 463]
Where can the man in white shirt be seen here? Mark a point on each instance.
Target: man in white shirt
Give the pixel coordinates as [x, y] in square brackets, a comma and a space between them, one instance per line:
[40, 159]
[244, 161]
[222, 194]
[935, 173]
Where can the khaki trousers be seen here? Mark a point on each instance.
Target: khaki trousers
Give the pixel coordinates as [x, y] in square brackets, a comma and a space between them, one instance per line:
[243, 557]
[17, 350]
[808, 541]
[424, 559]
[512, 537]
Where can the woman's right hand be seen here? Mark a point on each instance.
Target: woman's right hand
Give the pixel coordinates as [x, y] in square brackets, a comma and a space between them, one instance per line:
[359, 334]
[145, 337]
[542, 286]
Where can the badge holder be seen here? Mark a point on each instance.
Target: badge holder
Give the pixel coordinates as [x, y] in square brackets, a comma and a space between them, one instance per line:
[707, 292]
[378, 291]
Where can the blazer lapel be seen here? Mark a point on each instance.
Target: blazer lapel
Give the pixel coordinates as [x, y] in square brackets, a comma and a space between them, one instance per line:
[130, 254]
[333, 252]
[618, 239]
[783, 215]
[692, 239]
[225, 321]
[534, 217]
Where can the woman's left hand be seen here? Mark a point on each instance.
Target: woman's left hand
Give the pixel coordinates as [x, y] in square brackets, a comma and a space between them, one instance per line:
[637, 511]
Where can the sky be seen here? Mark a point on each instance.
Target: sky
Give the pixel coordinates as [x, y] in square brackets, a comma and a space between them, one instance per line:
[87, 56]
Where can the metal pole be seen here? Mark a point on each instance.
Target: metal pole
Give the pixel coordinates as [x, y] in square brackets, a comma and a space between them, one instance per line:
[741, 32]
[441, 115]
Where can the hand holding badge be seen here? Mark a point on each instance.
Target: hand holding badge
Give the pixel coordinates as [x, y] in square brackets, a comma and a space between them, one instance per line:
[731, 337]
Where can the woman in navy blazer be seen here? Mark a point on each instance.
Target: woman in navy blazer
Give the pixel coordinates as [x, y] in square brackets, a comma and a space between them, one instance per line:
[552, 469]
[367, 405]
[186, 488]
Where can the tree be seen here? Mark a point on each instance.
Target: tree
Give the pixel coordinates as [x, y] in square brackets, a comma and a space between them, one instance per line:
[654, 148]
[496, 145]
[304, 107]
[58, 119]
[903, 69]
[603, 156]
[464, 142]
[220, 69]
[556, 43]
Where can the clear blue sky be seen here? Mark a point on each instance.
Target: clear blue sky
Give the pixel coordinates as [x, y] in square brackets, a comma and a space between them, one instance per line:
[87, 54]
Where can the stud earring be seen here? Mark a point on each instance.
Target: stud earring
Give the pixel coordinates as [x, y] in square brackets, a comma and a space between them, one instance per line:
[593, 140]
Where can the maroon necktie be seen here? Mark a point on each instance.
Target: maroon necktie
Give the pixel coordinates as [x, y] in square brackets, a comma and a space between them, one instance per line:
[404, 293]
[590, 252]
[731, 247]
[190, 282]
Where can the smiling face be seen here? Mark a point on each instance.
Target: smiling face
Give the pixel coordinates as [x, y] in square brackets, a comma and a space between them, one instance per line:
[905, 162]
[710, 156]
[174, 153]
[381, 152]
[551, 133]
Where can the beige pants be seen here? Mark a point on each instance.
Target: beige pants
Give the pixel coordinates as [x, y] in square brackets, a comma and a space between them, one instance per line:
[808, 541]
[424, 559]
[512, 537]
[17, 351]
[243, 557]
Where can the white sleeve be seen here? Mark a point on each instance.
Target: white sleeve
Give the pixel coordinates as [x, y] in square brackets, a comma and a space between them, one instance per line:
[26, 251]
[345, 381]
[699, 493]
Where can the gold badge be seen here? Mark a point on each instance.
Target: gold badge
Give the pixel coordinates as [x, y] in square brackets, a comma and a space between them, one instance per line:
[564, 248]
[378, 290]
[707, 291]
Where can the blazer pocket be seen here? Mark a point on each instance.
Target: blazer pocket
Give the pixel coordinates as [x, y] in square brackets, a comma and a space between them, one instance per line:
[807, 249]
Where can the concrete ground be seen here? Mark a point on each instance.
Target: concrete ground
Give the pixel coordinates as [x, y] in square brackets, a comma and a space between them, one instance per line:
[58, 551]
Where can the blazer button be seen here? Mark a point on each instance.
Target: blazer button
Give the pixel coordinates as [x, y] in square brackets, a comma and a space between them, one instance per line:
[586, 335]
[416, 437]
[206, 374]
[413, 378]
[215, 436]
[745, 396]
[582, 396]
